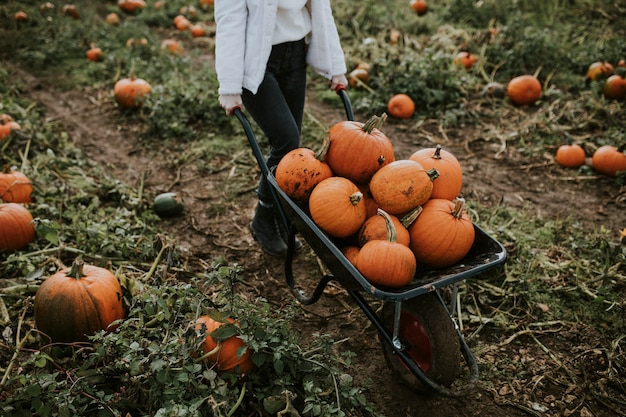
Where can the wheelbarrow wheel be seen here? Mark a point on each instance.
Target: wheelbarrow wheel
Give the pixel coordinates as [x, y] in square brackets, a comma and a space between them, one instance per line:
[430, 339]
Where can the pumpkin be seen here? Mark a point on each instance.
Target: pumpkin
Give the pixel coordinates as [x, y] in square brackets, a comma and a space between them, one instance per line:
[113, 19]
[131, 92]
[609, 160]
[615, 87]
[401, 106]
[181, 22]
[465, 60]
[205, 3]
[524, 90]
[197, 31]
[20, 16]
[16, 227]
[419, 6]
[15, 187]
[168, 204]
[172, 46]
[598, 70]
[131, 6]
[300, 170]
[570, 156]
[387, 262]
[358, 77]
[94, 54]
[442, 234]
[7, 125]
[450, 180]
[78, 302]
[375, 228]
[351, 253]
[374, 149]
[222, 347]
[336, 205]
[70, 10]
[402, 185]
[371, 206]
[494, 89]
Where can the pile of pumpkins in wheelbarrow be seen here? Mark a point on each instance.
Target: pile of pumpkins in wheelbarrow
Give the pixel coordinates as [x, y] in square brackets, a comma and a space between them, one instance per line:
[389, 214]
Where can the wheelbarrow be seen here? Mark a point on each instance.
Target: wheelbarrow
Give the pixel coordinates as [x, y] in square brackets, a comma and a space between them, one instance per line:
[420, 338]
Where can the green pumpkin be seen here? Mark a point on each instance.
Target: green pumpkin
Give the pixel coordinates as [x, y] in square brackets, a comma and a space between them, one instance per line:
[168, 204]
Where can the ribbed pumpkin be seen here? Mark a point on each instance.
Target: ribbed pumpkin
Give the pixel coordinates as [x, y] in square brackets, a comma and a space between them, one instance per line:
[375, 228]
[15, 187]
[570, 156]
[300, 170]
[357, 150]
[524, 90]
[442, 234]
[78, 302]
[131, 92]
[386, 262]
[402, 185]
[222, 347]
[16, 227]
[450, 180]
[609, 160]
[337, 207]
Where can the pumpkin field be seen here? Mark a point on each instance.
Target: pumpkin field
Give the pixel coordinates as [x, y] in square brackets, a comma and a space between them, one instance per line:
[130, 284]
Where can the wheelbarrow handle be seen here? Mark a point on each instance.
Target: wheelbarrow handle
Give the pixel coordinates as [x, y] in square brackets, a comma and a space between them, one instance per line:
[347, 105]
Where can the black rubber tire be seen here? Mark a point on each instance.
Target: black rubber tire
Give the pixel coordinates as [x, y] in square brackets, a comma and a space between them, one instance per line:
[430, 336]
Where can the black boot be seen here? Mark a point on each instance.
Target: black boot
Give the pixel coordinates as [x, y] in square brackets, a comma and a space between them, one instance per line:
[284, 233]
[266, 231]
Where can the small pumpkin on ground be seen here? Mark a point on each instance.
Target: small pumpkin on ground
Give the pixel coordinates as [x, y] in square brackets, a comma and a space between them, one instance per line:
[94, 54]
[131, 6]
[465, 60]
[7, 125]
[570, 155]
[402, 185]
[419, 6]
[337, 207]
[450, 180]
[131, 92]
[387, 262]
[615, 87]
[77, 302]
[524, 90]
[300, 170]
[609, 160]
[598, 70]
[401, 106]
[16, 227]
[374, 149]
[222, 346]
[442, 234]
[15, 187]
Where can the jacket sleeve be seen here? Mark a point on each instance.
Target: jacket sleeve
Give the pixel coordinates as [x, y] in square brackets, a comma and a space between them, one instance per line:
[230, 43]
[325, 53]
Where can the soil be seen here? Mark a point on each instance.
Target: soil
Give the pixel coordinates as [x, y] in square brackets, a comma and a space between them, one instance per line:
[494, 174]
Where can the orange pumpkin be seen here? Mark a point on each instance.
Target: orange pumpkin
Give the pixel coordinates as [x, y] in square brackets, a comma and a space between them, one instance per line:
[77, 302]
[16, 227]
[197, 31]
[524, 90]
[131, 6]
[598, 70]
[113, 19]
[351, 253]
[374, 149]
[337, 207]
[375, 228]
[222, 347]
[450, 180]
[172, 46]
[402, 185]
[609, 160]
[615, 87]
[181, 22]
[205, 3]
[387, 262]
[442, 234]
[20, 16]
[131, 92]
[465, 60]
[570, 156]
[419, 6]
[70, 10]
[7, 125]
[358, 77]
[401, 106]
[300, 170]
[94, 54]
[15, 187]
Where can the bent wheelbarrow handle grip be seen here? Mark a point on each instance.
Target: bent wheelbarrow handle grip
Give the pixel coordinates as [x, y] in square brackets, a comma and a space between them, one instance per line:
[341, 92]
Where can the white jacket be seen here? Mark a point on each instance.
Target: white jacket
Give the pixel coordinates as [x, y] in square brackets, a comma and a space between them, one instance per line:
[244, 42]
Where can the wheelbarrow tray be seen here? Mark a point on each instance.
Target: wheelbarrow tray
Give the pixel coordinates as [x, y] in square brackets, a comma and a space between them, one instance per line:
[485, 253]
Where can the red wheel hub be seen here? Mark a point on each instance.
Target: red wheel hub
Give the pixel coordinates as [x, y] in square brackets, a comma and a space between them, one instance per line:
[415, 339]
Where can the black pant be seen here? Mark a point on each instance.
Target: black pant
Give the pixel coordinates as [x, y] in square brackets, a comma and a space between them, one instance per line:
[278, 105]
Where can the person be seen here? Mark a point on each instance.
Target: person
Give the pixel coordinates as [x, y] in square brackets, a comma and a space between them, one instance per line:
[262, 51]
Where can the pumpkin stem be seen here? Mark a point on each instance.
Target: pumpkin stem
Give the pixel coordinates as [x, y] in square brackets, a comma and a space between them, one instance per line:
[459, 205]
[321, 154]
[437, 154]
[76, 271]
[411, 216]
[391, 229]
[374, 122]
[433, 174]
[356, 198]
